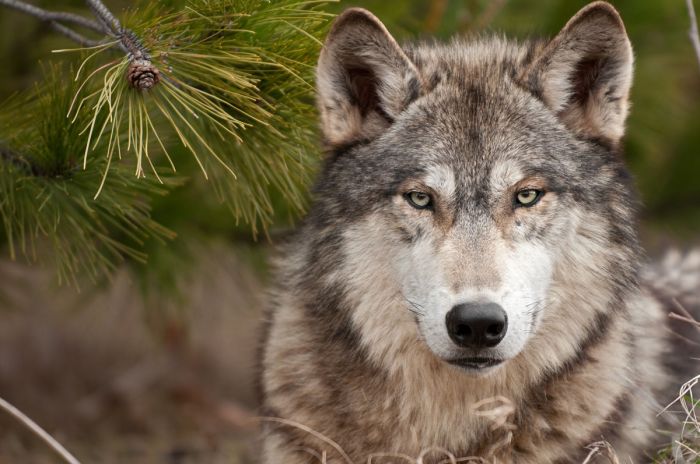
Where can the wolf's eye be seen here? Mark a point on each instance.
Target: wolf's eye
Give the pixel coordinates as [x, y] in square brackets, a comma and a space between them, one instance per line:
[419, 200]
[528, 197]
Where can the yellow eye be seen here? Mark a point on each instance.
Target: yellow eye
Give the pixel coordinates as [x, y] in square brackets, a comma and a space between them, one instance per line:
[528, 197]
[419, 200]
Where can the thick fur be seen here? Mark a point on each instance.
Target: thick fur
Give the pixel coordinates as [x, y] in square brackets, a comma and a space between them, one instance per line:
[356, 348]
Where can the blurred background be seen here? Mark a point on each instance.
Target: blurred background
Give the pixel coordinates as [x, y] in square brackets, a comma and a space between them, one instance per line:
[156, 363]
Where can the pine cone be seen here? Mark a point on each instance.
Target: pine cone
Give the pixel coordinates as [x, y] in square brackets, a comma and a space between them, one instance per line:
[142, 75]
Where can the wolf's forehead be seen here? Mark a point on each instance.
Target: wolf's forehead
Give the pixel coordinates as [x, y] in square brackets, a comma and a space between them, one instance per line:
[450, 179]
[474, 133]
[485, 60]
[473, 104]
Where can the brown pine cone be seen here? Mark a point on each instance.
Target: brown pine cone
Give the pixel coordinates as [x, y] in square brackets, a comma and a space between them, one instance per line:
[142, 75]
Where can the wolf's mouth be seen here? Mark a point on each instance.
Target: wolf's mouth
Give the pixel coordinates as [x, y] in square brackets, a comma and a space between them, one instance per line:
[475, 363]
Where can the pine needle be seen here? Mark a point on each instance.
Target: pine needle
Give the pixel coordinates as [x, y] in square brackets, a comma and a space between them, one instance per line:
[48, 199]
[235, 86]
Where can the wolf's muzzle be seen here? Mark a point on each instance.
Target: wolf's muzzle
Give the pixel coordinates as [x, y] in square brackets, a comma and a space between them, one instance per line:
[477, 325]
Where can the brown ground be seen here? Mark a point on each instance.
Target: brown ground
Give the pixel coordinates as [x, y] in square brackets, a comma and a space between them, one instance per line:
[114, 388]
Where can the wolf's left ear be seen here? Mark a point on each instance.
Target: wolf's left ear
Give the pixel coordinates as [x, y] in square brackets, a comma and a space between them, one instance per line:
[584, 74]
[364, 79]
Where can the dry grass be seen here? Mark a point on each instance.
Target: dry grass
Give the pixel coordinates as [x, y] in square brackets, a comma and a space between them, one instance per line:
[601, 448]
[685, 448]
[38, 431]
[498, 410]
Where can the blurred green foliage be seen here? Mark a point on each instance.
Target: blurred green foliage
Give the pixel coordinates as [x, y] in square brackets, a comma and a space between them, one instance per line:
[249, 64]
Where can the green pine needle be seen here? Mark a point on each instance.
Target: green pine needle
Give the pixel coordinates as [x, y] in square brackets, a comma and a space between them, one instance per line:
[235, 89]
[47, 207]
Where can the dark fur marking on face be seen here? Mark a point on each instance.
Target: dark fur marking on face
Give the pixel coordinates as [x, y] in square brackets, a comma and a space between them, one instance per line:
[600, 141]
[405, 235]
[413, 91]
[433, 81]
[338, 151]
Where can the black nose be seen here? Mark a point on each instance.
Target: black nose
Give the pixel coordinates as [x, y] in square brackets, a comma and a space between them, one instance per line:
[477, 325]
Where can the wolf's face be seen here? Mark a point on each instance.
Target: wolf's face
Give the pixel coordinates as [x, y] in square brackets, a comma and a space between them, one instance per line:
[467, 179]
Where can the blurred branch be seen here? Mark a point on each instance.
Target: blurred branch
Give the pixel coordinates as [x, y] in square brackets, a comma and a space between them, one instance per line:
[693, 33]
[487, 16]
[106, 24]
[11, 157]
[483, 19]
[435, 15]
[274, 237]
[54, 18]
[31, 425]
[74, 36]
[25, 165]
[45, 15]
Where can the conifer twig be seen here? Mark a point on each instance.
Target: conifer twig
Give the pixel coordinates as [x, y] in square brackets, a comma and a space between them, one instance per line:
[128, 41]
[74, 36]
[106, 24]
[46, 15]
[693, 33]
[54, 18]
[31, 425]
[105, 16]
[16, 160]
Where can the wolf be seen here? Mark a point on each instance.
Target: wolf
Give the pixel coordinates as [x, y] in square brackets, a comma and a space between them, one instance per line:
[472, 247]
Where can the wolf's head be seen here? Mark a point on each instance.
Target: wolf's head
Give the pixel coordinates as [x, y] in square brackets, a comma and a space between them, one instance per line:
[474, 200]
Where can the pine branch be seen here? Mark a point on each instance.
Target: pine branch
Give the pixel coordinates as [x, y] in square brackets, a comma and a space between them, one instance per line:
[74, 36]
[128, 41]
[46, 15]
[47, 199]
[106, 24]
[55, 18]
[10, 157]
[231, 82]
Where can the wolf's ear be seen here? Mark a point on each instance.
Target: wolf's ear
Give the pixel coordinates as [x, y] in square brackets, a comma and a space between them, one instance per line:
[584, 74]
[364, 79]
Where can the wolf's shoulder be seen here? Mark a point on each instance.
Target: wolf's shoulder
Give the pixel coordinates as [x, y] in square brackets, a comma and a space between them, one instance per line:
[676, 277]
[674, 282]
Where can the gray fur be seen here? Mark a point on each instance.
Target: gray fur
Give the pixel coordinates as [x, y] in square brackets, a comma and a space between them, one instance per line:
[355, 347]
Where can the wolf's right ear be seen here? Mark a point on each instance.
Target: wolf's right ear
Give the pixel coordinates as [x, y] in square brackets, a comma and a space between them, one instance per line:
[584, 74]
[364, 80]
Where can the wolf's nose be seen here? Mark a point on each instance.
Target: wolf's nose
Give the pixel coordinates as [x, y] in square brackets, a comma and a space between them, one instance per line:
[477, 325]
